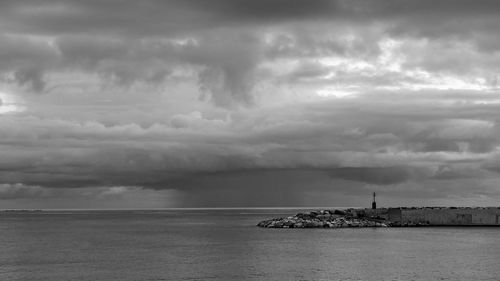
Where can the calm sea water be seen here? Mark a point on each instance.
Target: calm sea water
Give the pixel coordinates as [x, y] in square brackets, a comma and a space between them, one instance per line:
[226, 245]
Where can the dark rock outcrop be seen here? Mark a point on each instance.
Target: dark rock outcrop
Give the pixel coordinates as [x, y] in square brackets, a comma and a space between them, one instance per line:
[321, 219]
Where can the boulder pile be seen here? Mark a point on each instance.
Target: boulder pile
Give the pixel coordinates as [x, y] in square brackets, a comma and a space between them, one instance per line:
[321, 219]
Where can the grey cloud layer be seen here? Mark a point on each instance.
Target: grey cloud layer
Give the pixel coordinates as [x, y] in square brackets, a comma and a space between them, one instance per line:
[160, 17]
[356, 140]
[225, 41]
[124, 88]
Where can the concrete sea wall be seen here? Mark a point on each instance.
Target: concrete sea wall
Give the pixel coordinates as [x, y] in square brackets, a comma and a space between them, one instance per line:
[436, 215]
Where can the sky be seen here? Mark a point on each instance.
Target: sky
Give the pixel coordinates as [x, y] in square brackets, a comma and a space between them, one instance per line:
[236, 103]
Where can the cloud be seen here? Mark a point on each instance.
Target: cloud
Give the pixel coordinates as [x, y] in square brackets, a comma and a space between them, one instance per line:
[26, 58]
[32, 76]
[15, 191]
[159, 17]
[376, 175]
[391, 143]
[230, 60]
[21, 196]
[226, 41]
[181, 95]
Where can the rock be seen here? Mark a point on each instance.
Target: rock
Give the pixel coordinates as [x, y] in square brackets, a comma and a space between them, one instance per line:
[304, 216]
[324, 219]
[309, 224]
[339, 212]
[314, 214]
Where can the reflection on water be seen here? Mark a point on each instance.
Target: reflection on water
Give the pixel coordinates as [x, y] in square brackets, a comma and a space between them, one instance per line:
[226, 245]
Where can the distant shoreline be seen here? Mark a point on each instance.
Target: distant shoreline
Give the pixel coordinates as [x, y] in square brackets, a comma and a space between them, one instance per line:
[314, 208]
[176, 209]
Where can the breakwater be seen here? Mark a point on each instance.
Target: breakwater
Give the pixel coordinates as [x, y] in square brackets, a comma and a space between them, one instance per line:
[323, 219]
[435, 216]
[389, 217]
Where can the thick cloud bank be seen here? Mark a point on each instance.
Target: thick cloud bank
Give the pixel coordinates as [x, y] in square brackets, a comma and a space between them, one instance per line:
[248, 103]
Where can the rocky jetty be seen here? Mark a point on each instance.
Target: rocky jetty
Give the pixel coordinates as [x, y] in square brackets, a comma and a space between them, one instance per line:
[323, 219]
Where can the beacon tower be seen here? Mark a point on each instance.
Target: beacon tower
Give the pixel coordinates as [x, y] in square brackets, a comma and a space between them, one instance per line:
[374, 204]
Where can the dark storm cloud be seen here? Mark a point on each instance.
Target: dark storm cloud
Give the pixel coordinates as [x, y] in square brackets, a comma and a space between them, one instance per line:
[152, 17]
[385, 143]
[126, 85]
[125, 41]
[28, 57]
[375, 175]
[261, 188]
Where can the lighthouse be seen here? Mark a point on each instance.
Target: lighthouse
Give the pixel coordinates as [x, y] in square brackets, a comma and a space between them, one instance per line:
[374, 204]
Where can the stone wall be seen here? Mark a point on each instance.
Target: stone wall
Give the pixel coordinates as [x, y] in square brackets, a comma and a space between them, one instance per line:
[380, 212]
[451, 216]
[435, 216]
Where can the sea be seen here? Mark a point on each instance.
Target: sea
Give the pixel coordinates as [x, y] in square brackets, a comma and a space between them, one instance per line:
[225, 244]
